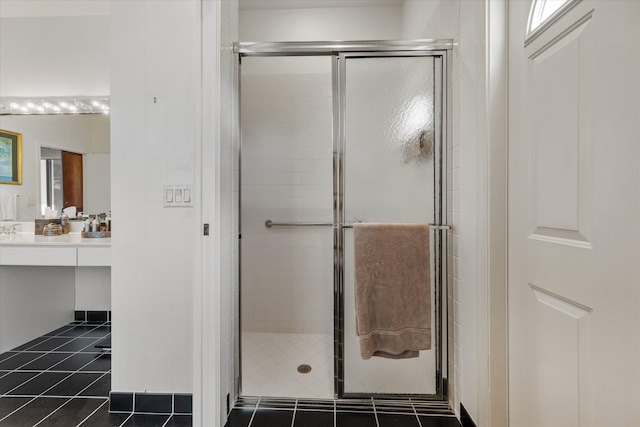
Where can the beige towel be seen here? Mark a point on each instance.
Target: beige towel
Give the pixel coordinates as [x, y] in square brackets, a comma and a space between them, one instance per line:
[392, 289]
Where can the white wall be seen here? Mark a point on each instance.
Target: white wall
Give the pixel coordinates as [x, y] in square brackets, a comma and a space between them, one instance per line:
[216, 310]
[156, 86]
[475, 273]
[342, 23]
[97, 183]
[417, 22]
[80, 134]
[54, 56]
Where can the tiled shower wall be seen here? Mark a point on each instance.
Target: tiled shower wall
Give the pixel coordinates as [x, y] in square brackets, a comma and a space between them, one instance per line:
[286, 176]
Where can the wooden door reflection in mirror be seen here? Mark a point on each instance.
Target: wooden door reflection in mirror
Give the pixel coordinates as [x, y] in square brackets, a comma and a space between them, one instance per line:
[72, 180]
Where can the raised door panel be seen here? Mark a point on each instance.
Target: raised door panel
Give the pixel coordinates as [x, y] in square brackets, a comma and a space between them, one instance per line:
[559, 336]
[559, 111]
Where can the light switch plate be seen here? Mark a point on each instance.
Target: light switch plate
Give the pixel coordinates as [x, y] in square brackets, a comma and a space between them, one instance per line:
[178, 196]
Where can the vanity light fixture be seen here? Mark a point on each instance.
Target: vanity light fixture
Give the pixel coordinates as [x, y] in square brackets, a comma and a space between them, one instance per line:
[55, 106]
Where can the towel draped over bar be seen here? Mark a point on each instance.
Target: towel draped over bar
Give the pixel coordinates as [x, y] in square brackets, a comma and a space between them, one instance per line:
[392, 289]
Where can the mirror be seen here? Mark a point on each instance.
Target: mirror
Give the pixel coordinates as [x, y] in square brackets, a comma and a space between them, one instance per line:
[45, 53]
[42, 137]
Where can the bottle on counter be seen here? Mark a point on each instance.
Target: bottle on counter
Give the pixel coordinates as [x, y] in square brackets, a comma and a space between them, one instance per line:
[64, 222]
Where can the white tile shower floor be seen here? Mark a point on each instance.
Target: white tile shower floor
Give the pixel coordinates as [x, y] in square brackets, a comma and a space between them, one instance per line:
[270, 362]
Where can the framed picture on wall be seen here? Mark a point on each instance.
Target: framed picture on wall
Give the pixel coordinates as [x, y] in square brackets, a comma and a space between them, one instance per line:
[10, 157]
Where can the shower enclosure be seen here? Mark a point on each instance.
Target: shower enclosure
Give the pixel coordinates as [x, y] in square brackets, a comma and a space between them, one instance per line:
[332, 135]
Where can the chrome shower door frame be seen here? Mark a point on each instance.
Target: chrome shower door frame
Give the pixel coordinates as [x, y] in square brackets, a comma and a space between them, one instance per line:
[440, 191]
[340, 52]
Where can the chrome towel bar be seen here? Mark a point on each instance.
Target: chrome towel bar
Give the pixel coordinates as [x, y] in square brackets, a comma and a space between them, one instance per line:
[431, 226]
[268, 223]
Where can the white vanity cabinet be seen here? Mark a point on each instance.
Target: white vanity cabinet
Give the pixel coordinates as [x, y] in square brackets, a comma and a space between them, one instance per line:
[44, 280]
[38, 256]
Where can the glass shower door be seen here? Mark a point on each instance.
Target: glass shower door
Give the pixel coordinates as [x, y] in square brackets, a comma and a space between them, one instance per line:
[390, 137]
[286, 221]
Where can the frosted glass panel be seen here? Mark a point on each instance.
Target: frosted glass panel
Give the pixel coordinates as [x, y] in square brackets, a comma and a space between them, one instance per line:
[388, 177]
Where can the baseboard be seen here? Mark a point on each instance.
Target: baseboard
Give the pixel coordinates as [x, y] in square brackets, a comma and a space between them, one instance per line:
[465, 418]
[151, 403]
[92, 316]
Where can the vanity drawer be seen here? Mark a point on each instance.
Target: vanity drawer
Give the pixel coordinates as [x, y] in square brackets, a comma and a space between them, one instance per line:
[94, 257]
[37, 256]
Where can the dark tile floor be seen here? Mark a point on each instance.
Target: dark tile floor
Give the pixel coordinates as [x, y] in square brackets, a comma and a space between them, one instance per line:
[341, 413]
[61, 379]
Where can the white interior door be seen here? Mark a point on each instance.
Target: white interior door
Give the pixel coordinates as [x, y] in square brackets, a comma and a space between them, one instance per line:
[574, 217]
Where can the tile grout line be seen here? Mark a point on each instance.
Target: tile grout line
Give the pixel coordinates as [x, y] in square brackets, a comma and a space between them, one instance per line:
[67, 399]
[295, 407]
[254, 411]
[23, 383]
[52, 412]
[45, 353]
[173, 405]
[94, 381]
[33, 396]
[70, 373]
[94, 411]
[375, 414]
[58, 383]
[416, 413]
[126, 419]
[46, 370]
[49, 337]
[17, 409]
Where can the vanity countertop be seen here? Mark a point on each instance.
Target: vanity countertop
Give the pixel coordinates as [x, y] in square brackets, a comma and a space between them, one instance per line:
[70, 239]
